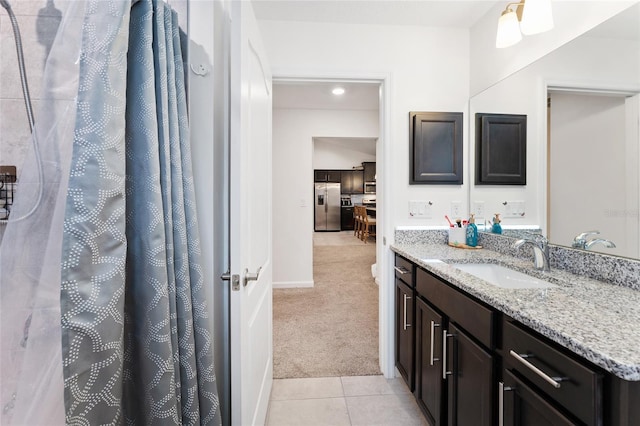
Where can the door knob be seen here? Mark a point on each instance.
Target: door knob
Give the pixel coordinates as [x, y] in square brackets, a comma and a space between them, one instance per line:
[250, 276]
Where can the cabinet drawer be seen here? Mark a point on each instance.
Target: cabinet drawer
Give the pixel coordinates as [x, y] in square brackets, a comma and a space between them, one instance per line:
[578, 388]
[475, 318]
[404, 270]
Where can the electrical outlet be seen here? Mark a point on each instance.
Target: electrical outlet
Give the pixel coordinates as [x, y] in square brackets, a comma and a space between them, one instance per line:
[456, 210]
[478, 209]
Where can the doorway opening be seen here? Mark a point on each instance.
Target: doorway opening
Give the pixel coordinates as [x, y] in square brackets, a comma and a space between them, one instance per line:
[316, 130]
[593, 161]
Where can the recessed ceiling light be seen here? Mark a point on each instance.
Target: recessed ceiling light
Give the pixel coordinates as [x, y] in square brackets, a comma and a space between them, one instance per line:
[338, 91]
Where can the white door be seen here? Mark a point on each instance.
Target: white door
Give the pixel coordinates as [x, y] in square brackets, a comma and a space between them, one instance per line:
[250, 221]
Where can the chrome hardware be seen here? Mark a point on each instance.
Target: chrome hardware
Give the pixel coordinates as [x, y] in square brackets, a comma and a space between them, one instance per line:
[248, 276]
[553, 381]
[235, 280]
[405, 311]
[540, 250]
[433, 331]
[580, 241]
[445, 373]
[501, 390]
[401, 271]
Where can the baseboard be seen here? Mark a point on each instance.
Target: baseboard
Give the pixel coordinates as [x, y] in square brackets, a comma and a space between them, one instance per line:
[293, 284]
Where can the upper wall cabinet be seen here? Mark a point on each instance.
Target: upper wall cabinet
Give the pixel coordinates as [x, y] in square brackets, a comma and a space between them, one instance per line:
[501, 149]
[436, 147]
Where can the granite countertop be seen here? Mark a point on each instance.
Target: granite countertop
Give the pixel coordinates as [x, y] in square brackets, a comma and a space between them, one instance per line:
[596, 320]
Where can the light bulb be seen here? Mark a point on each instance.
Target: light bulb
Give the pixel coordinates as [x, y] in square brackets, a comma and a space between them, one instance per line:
[508, 29]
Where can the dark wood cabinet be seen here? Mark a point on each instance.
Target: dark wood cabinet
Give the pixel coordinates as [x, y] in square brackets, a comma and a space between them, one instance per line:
[470, 382]
[429, 384]
[346, 219]
[436, 148]
[369, 171]
[501, 149]
[326, 175]
[404, 319]
[351, 182]
[455, 385]
[522, 406]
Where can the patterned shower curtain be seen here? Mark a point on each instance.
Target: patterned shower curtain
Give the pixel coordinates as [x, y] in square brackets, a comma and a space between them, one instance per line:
[136, 340]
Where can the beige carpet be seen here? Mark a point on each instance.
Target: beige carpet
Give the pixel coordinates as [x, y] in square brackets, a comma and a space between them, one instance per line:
[331, 329]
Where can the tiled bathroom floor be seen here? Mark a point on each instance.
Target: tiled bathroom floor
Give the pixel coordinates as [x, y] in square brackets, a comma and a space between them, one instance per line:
[336, 401]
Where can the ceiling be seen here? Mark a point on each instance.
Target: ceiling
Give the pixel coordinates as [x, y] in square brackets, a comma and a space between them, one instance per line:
[433, 13]
[317, 95]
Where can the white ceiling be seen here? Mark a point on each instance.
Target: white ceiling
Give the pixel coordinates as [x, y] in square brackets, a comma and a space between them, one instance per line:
[436, 13]
[317, 95]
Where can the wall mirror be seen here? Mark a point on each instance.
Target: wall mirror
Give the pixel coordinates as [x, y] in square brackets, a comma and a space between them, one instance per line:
[583, 156]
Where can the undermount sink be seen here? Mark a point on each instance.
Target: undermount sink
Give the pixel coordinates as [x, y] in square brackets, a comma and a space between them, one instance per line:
[502, 276]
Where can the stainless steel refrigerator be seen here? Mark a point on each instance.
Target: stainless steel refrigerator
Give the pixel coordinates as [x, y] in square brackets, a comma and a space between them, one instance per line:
[327, 202]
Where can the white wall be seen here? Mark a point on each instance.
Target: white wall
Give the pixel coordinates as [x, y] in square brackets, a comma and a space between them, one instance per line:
[342, 153]
[572, 18]
[293, 133]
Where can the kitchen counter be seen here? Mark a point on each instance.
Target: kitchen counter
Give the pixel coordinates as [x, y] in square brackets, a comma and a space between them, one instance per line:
[594, 319]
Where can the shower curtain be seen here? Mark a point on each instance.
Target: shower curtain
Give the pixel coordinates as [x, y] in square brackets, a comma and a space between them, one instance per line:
[104, 316]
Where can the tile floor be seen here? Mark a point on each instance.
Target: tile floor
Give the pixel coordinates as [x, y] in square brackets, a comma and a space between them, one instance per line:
[336, 401]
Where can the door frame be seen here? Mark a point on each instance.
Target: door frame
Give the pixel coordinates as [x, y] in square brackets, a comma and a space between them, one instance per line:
[384, 258]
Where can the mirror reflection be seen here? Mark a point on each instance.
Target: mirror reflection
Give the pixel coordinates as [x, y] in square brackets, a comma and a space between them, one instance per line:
[583, 155]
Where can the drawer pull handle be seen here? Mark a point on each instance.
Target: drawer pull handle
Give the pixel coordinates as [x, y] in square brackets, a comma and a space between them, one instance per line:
[405, 311]
[433, 331]
[445, 373]
[401, 271]
[553, 381]
[501, 390]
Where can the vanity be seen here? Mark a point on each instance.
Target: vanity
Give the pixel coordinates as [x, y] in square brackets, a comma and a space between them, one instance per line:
[560, 349]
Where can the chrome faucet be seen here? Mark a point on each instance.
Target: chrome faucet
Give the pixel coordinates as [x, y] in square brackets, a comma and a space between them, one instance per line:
[540, 250]
[580, 241]
[606, 243]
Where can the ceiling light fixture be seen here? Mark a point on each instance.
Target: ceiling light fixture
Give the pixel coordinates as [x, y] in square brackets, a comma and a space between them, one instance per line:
[529, 17]
[338, 91]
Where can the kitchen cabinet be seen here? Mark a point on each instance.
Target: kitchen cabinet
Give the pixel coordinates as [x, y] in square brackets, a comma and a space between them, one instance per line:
[326, 175]
[346, 219]
[351, 182]
[404, 317]
[369, 171]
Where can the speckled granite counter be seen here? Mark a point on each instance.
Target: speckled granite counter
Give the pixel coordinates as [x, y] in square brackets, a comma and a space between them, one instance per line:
[596, 320]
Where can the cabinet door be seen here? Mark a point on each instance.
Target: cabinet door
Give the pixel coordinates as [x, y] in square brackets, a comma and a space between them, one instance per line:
[429, 385]
[404, 332]
[333, 175]
[436, 147]
[470, 375]
[319, 176]
[524, 407]
[369, 171]
[357, 182]
[346, 182]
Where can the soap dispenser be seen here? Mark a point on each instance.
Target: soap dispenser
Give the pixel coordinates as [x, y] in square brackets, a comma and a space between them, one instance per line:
[472, 232]
[496, 228]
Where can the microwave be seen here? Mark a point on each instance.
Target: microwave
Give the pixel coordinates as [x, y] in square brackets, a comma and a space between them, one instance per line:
[369, 187]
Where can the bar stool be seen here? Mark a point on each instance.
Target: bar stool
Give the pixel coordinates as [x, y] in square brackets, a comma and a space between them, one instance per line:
[368, 226]
[357, 221]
